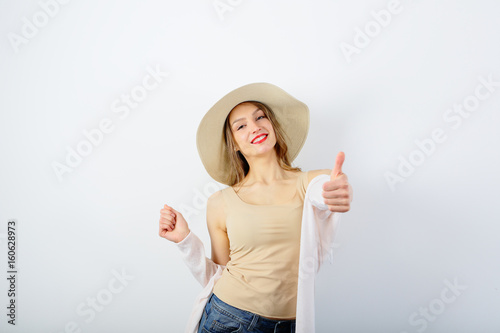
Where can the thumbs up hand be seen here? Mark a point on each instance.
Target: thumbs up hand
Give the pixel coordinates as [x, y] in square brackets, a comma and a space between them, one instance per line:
[337, 192]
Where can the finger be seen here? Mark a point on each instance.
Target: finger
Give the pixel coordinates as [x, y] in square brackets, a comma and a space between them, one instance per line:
[167, 227]
[337, 183]
[165, 221]
[165, 230]
[337, 202]
[337, 169]
[166, 209]
[167, 216]
[167, 213]
[336, 194]
[339, 209]
[170, 211]
[165, 224]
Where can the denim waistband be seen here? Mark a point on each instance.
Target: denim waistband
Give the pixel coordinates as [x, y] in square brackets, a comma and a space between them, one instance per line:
[246, 317]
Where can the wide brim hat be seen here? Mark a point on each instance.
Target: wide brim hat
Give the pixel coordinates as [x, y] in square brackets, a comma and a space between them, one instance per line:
[291, 114]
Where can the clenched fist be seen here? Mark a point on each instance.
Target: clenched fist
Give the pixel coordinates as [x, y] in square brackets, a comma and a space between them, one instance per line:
[173, 226]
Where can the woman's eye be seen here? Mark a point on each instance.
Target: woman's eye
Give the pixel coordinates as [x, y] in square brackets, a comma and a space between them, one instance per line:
[244, 125]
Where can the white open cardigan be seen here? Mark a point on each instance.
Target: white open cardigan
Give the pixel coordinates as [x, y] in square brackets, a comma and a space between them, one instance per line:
[319, 227]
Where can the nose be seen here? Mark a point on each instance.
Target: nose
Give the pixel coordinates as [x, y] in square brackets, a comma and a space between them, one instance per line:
[255, 128]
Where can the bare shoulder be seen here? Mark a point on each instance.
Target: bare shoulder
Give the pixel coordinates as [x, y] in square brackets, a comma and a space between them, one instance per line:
[215, 198]
[314, 173]
[216, 210]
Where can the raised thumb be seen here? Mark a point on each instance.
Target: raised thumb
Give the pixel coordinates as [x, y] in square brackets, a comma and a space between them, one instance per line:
[337, 169]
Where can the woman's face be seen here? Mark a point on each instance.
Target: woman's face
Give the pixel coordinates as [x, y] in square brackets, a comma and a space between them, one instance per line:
[252, 130]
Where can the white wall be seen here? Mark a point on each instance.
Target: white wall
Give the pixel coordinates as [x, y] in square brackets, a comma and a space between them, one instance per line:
[398, 249]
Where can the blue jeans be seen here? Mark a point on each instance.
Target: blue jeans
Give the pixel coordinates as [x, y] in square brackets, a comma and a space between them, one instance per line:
[220, 317]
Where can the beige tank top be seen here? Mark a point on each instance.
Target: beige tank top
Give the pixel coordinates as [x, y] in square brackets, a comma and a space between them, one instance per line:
[264, 246]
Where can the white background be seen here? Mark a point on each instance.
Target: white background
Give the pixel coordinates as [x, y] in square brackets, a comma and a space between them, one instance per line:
[395, 248]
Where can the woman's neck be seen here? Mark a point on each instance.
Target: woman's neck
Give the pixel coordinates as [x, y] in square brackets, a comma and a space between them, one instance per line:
[264, 169]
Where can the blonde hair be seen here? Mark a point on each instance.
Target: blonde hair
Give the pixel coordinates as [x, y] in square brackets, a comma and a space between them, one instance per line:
[239, 167]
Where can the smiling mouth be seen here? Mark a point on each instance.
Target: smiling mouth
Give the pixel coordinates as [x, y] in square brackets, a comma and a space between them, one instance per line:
[260, 139]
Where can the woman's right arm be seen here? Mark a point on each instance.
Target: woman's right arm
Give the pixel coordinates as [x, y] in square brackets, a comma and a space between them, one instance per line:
[174, 228]
[216, 223]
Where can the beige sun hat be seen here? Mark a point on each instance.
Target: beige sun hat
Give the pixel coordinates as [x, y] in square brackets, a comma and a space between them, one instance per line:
[292, 115]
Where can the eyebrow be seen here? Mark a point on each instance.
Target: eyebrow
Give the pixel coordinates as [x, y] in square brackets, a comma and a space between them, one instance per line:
[244, 118]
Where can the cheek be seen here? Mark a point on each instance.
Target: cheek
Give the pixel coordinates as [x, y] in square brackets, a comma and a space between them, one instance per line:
[269, 126]
[271, 131]
[238, 137]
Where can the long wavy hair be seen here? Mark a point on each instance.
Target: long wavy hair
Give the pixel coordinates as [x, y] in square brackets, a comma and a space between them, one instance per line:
[238, 164]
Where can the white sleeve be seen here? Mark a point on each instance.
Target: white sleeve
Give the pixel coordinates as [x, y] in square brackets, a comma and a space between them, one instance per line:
[319, 227]
[327, 222]
[193, 255]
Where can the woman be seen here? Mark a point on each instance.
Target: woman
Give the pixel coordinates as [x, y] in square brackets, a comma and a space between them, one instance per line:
[248, 140]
